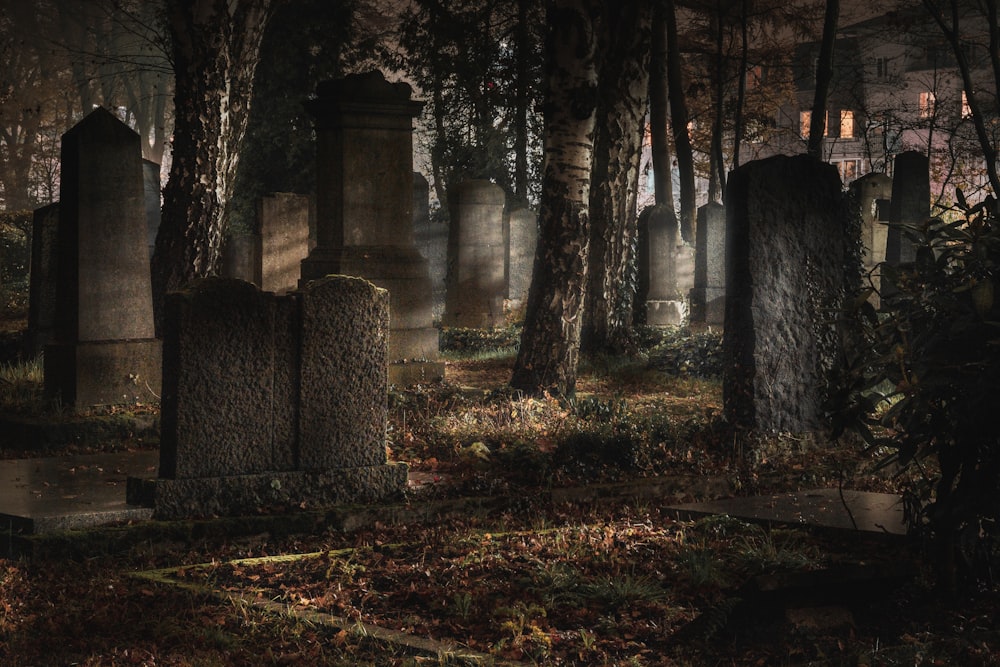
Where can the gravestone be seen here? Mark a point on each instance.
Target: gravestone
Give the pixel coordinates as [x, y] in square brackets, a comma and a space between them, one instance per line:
[708, 296]
[42, 279]
[521, 259]
[364, 210]
[105, 352]
[241, 257]
[787, 258]
[431, 237]
[152, 201]
[910, 204]
[475, 284]
[283, 235]
[871, 193]
[657, 248]
[272, 401]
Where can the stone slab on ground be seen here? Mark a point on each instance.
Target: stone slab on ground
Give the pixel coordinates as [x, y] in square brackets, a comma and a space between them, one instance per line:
[863, 511]
[46, 495]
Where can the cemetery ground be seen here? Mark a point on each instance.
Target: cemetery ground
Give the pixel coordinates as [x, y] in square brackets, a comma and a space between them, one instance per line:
[551, 543]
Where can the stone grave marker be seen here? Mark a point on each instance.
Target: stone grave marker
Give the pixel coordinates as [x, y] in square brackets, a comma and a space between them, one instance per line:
[283, 223]
[42, 279]
[272, 401]
[708, 297]
[657, 249]
[105, 351]
[431, 238]
[364, 210]
[910, 203]
[152, 201]
[869, 191]
[521, 258]
[475, 286]
[787, 251]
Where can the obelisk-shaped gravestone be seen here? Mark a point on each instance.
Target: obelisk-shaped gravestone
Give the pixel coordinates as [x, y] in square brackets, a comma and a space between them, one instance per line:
[708, 297]
[364, 210]
[105, 351]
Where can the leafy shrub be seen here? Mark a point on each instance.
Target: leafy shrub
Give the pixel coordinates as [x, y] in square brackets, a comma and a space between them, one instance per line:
[465, 341]
[680, 351]
[924, 380]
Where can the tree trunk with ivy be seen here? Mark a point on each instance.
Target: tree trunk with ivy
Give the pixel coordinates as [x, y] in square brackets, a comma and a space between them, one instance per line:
[621, 108]
[216, 46]
[550, 340]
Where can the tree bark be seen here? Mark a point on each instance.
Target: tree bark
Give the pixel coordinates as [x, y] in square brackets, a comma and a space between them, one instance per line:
[623, 84]
[824, 74]
[659, 112]
[550, 340]
[216, 46]
[679, 119]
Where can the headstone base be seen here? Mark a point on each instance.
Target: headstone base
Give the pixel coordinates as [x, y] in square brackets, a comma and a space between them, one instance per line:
[708, 305]
[665, 313]
[97, 373]
[243, 495]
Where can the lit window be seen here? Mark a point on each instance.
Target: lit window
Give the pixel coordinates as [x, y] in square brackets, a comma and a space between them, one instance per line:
[849, 170]
[805, 119]
[926, 107]
[847, 124]
[755, 75]
[966, 109]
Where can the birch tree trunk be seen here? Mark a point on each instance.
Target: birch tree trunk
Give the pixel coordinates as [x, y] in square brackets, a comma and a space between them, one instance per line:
[550, 341]
[216, 46]
[621, 110]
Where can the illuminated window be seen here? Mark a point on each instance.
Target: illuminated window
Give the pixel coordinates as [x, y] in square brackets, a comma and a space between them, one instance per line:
[926, 107]
[966, 109]
[849, 170]
[755, 75]
[805, 119]
[847, 124]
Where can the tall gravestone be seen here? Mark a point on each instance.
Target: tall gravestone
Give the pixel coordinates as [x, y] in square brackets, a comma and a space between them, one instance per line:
[910, 203]
[364, 210]
[787, 253]
[657, 250]
[521, 258]
[475, 284]
[708, 296]
[431, 237]
[283, 224]
[272, 401]
[105, 352]
[42, 279]
[872, 192]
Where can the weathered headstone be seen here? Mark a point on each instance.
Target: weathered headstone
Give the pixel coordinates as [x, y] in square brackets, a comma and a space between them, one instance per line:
[475, 285]
[871, 191]
[364, 210]
[431, 237]
[105, 351]
[152, 201]
[708, 297]
[911, 201]
[272, 402]
[657, 250]
[283, 222]
[787, 269]
[241, 257]
[42, 279]
[521, 258]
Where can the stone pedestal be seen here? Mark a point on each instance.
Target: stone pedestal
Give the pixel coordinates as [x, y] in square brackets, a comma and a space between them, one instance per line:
[105, 350]
[708, 297]
[787, 261]
[364, 210]
[476, 254]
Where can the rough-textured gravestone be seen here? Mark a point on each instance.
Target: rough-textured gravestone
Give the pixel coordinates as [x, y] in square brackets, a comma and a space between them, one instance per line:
[42, 279]
[657, 250]
[364, 210]
[283, 222]
[910, 204]
[105, 351]
[431, 237]
[521, 258]
[475, 285]
[871, 192]
[788, 262]
[708, 297]
[272, 402]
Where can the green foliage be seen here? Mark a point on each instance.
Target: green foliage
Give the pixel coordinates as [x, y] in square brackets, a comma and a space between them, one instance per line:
[15, 258]
[680, 351]
[924, 378]
[461, 341]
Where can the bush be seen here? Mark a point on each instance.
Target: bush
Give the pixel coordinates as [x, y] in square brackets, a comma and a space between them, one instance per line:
[924, 381]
